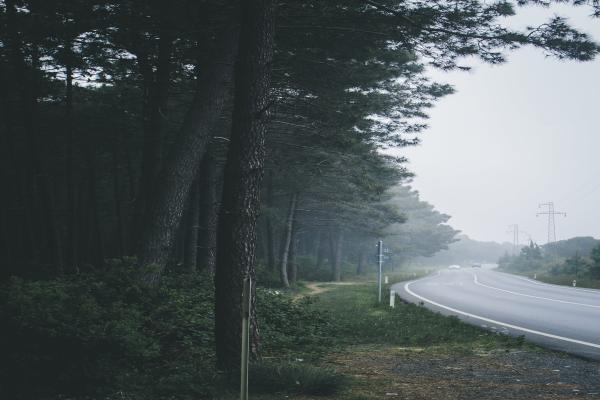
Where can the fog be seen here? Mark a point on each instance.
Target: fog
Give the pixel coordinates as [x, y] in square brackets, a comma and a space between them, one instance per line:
[514, 136]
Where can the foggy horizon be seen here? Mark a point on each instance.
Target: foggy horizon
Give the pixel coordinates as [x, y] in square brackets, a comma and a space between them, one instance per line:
[519, 134]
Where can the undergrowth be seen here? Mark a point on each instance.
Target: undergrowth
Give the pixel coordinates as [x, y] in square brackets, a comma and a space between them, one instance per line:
[102, 336]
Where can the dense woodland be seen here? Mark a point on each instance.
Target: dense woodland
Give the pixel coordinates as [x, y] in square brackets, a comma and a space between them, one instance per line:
[218, 139]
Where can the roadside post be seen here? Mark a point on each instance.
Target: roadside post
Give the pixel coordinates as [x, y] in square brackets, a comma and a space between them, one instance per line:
[534, 276]
[380, 261]
[385, 280]
[246, 298]
[574, 283]
[392, 298]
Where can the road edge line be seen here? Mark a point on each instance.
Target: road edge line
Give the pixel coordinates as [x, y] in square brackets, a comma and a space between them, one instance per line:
[516, 327]
[476, 281]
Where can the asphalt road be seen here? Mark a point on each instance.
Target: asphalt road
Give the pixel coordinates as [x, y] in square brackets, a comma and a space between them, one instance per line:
[559, 317]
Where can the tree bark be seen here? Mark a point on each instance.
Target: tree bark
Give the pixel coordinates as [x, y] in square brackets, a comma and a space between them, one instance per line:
[120, 231]
[71, 246]
[156, 87]
[360, 269]
[209, 212]
[190, 258]
[289, 227]
[243, 176]
[292, 264]
[337, 256]
[320, 251]
[20, 227]
[27, 76]
[97, 239]
[270, 237]
[182, 164]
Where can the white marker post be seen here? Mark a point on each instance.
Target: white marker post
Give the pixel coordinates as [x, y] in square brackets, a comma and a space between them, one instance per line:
[392, 298]
[534, 276]
[574, 283]
[246, 299]
[386, 280]
[380, 262]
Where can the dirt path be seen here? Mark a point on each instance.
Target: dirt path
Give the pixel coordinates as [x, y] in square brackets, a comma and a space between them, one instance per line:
[320, 287]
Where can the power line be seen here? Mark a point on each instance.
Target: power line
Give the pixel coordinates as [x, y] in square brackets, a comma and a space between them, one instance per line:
[551, 223]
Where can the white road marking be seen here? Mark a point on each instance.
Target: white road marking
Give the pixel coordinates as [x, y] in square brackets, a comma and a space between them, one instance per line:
[596, 291]
[476, 281]
[519, 328]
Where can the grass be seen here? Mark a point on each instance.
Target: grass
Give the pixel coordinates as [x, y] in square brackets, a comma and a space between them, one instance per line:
[295, 378]
[364, 340]
[356, 318]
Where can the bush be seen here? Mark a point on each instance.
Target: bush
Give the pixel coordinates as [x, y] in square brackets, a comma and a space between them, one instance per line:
[287, 324]
[295, 378]
[99, 334]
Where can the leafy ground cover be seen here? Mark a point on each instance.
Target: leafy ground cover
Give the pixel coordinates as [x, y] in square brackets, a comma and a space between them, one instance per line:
[98, 336]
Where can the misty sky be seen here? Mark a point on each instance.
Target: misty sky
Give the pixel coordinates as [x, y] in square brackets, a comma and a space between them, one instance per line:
[513, 136]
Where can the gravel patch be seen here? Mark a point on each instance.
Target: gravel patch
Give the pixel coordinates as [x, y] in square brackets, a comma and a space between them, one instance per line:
[502, 375]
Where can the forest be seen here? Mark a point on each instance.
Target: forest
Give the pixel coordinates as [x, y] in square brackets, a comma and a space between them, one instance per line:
[156, 154]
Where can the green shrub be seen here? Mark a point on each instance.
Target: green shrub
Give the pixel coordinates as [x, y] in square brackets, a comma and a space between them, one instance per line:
[98, 334]
[266, 277]
[101, 333]
[287, 324]
[294, 378]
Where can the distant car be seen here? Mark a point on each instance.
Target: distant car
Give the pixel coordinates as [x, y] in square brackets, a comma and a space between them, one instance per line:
[476, 266]
[454, 266]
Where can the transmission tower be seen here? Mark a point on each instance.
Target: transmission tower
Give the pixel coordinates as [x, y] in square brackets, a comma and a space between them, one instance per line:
[514, 229]
[551, 225]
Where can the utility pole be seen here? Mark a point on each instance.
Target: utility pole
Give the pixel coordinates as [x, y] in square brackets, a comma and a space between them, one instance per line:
[551, 224]
[514, 229]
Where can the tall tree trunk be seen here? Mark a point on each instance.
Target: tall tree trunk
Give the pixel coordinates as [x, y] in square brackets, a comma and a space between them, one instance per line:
[360, 269]
[289, 227]
[27, 76]
[19, 223]
[337, 255]
[320, 251]
[332, 247]
[7, 261]
[156, 87]
[209, 212]
[71, 246]
[97, 245]
[182, 164]
[270, 237]
[120, 231]
[292, 264]
[243, 176]
[190, 258]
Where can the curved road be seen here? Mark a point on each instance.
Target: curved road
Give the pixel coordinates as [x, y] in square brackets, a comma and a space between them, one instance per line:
[560, 317]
